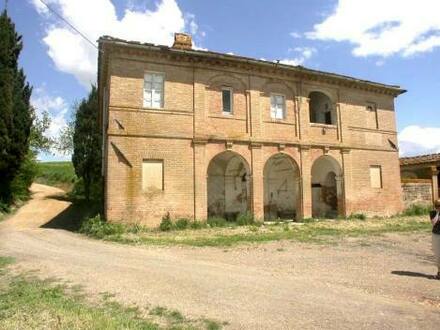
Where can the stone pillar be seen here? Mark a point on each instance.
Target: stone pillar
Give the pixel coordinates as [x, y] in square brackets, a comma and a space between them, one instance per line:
[200, 180]
[306, 182]
[346, 182]
[257, 183]
[340, 194]
[302, 104]
[255, 115]
[434, 182]
[339, 121]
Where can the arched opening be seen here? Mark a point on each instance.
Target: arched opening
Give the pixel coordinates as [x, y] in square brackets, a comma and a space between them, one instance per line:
[228, 186]
[326, 190]
[281, 191]
[321, 109]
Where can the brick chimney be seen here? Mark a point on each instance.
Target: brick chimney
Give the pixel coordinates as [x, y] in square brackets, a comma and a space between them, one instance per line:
[182, 41]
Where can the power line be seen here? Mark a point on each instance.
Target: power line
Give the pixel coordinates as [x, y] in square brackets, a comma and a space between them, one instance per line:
[69, 24]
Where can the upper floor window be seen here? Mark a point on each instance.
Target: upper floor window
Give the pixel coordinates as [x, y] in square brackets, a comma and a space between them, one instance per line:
[227, 100]
[153, 90]
[321, 109]
[372, 120]
[277, 106]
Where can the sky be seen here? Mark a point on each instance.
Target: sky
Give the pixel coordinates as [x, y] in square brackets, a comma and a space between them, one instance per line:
[393, 42]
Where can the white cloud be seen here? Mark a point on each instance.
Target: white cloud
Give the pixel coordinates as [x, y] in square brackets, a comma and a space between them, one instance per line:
[56, 106]
[303, 54]
[416, 140]
[72, 54]
[383, 28]
[295, 35]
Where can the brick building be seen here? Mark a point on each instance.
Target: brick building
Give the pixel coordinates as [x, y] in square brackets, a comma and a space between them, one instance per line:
[198, 134]
[420, 179]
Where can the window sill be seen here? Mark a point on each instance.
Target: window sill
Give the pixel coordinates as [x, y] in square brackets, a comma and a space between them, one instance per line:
[227, 116]
[151, 108]
[330, 126]
[279, 121]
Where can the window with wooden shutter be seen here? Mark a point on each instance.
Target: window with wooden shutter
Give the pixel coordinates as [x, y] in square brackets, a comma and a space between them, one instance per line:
[153, 90]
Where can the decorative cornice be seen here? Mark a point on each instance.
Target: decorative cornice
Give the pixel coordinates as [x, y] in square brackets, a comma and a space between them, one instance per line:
[248, 64]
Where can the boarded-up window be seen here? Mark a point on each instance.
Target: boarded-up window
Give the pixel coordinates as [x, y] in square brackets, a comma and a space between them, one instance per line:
[376, 176]
[152, 175]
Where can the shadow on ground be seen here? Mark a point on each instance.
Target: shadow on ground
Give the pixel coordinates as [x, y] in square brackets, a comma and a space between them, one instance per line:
[71, 218]
[413, 274]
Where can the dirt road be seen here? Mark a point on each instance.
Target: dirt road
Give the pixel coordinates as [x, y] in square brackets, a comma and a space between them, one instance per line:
[371, 283]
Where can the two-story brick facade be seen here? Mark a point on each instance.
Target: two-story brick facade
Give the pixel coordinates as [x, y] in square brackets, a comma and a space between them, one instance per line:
[198, 134]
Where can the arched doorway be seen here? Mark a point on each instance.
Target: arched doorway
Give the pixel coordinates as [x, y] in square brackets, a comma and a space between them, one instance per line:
[281, 189]
[326, 190]
[228, 186]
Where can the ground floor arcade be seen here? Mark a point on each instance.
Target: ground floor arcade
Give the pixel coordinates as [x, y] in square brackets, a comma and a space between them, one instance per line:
[201, 179]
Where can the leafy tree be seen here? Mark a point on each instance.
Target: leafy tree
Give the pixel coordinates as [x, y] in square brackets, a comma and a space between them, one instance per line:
[38, 141]
[64, 143]
[15, 112]
[86, 156]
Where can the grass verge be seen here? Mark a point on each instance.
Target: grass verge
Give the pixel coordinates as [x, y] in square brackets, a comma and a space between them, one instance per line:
[313, 231]
[57, 174]
[30, 303]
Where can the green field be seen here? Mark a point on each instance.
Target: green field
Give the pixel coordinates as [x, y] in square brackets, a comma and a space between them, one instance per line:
[58, 174]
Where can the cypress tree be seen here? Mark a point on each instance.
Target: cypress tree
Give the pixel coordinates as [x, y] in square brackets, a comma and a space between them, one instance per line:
[86, 156]
[15, 112]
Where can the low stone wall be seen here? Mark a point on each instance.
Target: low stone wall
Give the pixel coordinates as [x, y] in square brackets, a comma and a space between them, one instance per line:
[417, 191]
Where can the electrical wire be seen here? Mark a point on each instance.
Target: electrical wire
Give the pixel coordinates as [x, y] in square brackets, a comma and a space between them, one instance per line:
[69, 24]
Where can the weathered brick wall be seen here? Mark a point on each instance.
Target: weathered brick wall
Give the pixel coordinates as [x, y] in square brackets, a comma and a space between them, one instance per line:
[417, 191]
[191, 130]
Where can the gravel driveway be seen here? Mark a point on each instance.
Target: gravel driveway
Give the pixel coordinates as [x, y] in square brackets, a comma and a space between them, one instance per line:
[361, 283]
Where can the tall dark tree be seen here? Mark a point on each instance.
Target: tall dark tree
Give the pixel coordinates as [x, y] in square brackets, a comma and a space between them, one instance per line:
[15, 111]
[87, 144]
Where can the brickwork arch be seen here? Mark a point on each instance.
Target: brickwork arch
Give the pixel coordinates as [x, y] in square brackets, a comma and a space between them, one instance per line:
[282, 192]
[228, 185]
[327, 197]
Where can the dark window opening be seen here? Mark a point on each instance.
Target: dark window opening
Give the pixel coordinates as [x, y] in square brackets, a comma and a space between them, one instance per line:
[227, 100]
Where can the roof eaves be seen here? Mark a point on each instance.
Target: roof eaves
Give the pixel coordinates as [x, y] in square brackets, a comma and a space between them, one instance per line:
[394, 88]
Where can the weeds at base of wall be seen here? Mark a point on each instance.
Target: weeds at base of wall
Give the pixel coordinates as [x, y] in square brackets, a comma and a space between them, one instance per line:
[167, 224]
[313, 231]
[415, 210]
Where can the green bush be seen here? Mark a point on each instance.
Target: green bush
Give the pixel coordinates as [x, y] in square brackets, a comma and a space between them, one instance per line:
[416, 209]
[217, 222]
[99, 228]
[135, 229]
[358, 216]
[245, 219]
[4, 208]
[197, 224]
[23, 180]
[166, 224]
[181, 224]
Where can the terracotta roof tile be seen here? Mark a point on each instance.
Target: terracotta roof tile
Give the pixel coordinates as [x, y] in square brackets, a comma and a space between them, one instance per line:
[431, 158]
